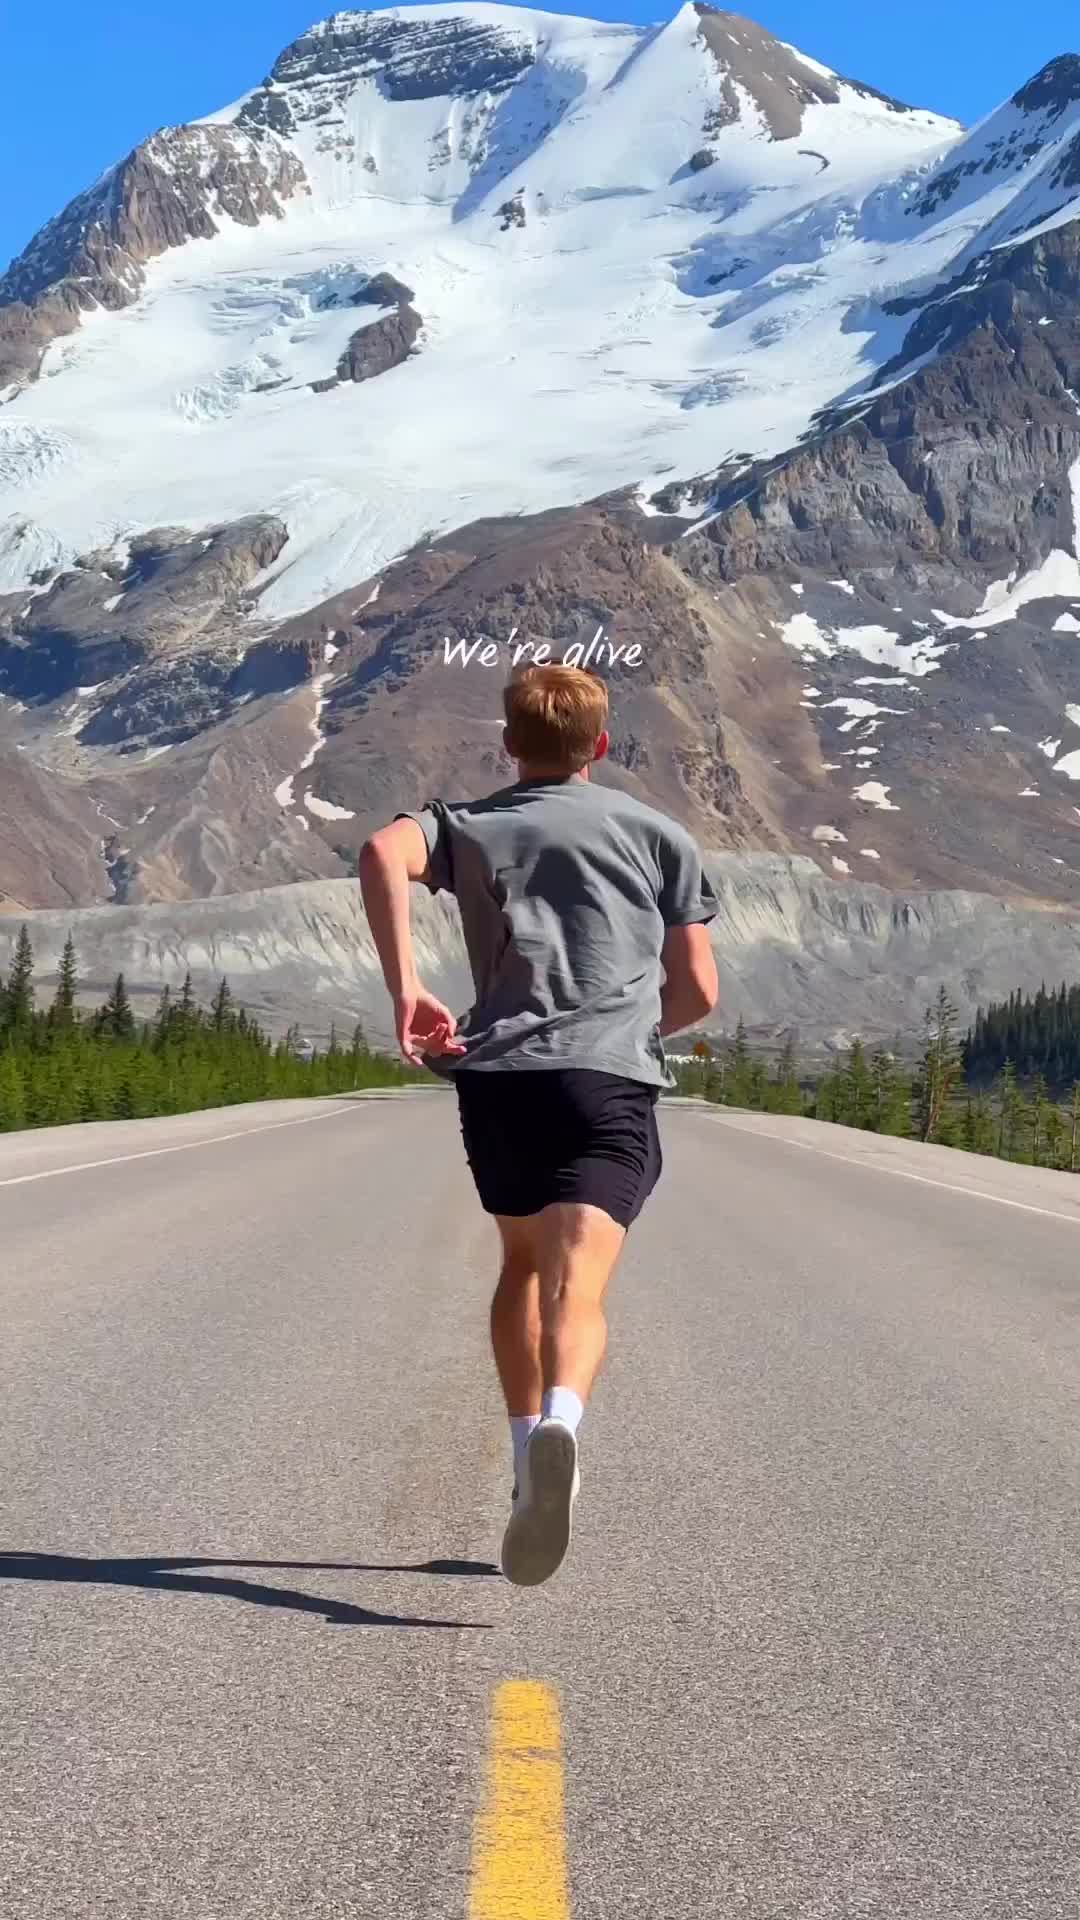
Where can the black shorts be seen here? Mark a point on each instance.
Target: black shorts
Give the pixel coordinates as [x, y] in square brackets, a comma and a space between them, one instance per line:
[564, 1133]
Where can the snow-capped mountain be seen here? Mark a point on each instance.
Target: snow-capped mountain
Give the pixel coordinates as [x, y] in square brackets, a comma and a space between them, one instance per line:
[615, 239]
[478, 315]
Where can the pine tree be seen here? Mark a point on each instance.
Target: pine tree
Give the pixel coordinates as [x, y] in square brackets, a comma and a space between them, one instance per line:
[1055, 1135]
[221, 1007]
[941, 1068]
[117, 1019]
[62, 1012]
[18, 1002]
[978, 1126]
[787, 1095]
[1010, 1105]
[186, 1010]
[12, 1093]
[1037, 1112]
[857, 1099]
[162, 1022]
[738, 1090]
[892, 1096]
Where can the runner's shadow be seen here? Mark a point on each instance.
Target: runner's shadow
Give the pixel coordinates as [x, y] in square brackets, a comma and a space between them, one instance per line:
[183, 1575]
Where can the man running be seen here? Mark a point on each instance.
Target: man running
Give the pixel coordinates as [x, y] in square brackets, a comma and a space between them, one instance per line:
[584, 914]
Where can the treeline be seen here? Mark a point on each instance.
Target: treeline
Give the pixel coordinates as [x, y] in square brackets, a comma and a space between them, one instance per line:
[1039, 1034]
[1007, 1114]
[59, 1064]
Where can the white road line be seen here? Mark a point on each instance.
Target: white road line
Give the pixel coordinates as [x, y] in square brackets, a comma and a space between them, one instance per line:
[186, 1146]
[899, 1173]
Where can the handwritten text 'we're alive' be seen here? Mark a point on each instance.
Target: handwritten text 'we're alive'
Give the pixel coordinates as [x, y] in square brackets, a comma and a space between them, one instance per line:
[596, 652]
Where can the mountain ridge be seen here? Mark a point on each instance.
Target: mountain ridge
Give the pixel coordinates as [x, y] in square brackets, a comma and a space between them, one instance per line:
[417, 363]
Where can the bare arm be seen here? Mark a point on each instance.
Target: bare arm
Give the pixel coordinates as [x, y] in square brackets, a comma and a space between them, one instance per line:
[389, 862]
[691, 985]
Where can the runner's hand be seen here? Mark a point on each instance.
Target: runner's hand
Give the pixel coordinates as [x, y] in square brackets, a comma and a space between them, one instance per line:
[424, 1026]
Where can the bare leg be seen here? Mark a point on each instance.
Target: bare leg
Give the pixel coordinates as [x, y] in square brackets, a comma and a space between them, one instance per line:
[573, 1250]
[576, 1251]
[515, 1319]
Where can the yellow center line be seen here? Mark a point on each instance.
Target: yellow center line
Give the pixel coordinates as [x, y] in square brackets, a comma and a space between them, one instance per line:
[519, 1851]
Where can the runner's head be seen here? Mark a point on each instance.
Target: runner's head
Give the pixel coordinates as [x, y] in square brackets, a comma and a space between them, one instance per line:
[556, 720]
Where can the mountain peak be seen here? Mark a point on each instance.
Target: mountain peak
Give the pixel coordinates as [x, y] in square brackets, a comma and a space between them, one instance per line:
[781, 81]
[413, 53]
[1054, 89]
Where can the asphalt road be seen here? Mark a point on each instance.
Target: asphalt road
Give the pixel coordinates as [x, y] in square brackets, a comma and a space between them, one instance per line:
[816, 1651]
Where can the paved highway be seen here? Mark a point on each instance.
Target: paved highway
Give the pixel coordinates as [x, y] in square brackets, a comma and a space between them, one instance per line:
[816, 1651]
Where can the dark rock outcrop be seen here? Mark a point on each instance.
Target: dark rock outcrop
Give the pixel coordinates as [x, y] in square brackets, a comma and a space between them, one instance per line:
[1054, 89]
[511, 213]
[703, 158]
[384, 344]
[382, 290]
[782, 86]
[153, 631]
[412, 59]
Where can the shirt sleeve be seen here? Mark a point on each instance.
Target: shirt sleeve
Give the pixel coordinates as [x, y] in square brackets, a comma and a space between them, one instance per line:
[686, 895]
[433, 822]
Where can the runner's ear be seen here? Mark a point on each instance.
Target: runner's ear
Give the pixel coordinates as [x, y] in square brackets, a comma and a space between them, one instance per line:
[602, 745]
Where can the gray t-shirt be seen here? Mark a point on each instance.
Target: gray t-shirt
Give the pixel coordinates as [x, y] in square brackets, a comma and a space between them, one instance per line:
[566, 891]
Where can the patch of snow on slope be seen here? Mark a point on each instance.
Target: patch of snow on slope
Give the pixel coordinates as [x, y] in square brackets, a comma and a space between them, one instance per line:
[876, 795]
[1069, 765]
[284, 793]
[1058, 578]
[870, 853]
[1030, 793]
[841, 866]
[876, 645]
[1050, 747]
[828, 833]
[1067, 623]
[862, 710]
[325, 809]
[318, 686]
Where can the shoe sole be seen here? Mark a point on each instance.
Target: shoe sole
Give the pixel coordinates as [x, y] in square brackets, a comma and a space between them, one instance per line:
[536, 1540]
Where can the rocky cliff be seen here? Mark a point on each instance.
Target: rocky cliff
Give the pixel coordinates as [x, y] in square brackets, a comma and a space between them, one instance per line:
[795, 951]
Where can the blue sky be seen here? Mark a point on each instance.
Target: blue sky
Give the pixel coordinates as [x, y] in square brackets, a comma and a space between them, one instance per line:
[80, 85]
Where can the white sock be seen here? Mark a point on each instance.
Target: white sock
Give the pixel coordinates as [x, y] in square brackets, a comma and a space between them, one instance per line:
[562, 1403]
[521, 1425]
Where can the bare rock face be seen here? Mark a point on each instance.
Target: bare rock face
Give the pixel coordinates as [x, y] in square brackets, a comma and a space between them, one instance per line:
[381, 344]
[384, 344]
[793, 950]
[511, 213]
[1054, 89]
[50, 838]
[93, 254]
[410, 59]
[150, 631]
[962, 469]
[383, 290]
[780, 84]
